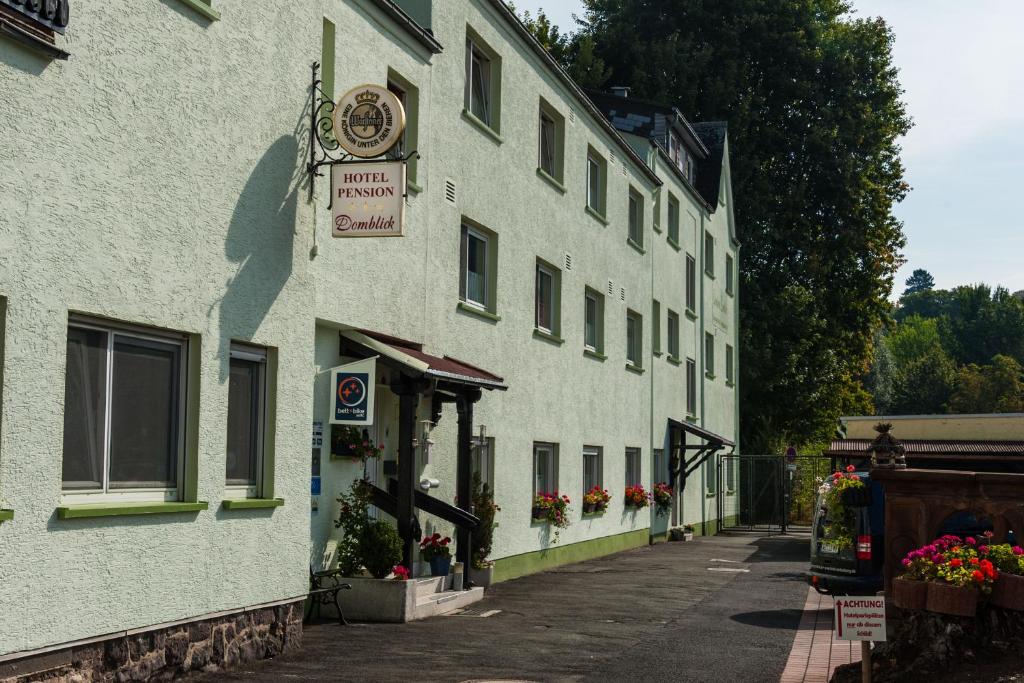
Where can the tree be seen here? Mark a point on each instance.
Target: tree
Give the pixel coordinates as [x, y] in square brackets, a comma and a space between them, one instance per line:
[924, 384]
[919, 281]
[995, 388]
[880, 380]
[913, 338]
[813, 108]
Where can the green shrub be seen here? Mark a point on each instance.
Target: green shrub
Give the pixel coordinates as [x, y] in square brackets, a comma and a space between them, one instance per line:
[353, 520]
[483, 536]
[380, 548]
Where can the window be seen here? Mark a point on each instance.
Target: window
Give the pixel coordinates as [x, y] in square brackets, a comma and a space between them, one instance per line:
[656, 327]
[596, 181]
[479, 81]
[550, 138]
[709, 254]
[634, 338]
[660, 473]
[247, 418]
[729, 376]
[691, 283]
[636, 218]
[673, 334]
[409, 95]
[545, 468]
[592, 474]
[478, 266]
[124, 416]
[673, 219]
[711, 474]
[675, 150]
[709, 355]
[730, 472]
[593, 314]
[691, 386]
[483, 462]
[729, 274]
[546, 299]
[633, 467]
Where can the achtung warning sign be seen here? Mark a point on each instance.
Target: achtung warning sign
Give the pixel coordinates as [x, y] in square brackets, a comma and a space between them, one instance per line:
[860, 618]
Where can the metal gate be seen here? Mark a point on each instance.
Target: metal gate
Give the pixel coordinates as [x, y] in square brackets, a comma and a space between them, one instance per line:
[771, 493]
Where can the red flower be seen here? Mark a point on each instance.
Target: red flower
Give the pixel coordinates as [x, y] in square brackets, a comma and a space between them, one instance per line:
[978, 576]
[956, 562]
[974, 561]
[850, 468]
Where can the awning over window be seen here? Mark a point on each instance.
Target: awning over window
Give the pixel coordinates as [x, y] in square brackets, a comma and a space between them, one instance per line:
[410, 356]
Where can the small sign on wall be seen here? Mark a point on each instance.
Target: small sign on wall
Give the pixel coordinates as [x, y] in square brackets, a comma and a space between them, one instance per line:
[860, 618]
[368, 199]
[353, 392]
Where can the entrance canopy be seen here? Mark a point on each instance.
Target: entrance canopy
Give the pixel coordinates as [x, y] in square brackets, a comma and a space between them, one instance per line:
[410, 357]
[682, 466]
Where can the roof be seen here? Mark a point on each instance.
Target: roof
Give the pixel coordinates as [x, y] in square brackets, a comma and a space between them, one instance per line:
[424, 36]
[637, 116]
[412, 356]
[701, 433]
[709, 180]
[931, 447]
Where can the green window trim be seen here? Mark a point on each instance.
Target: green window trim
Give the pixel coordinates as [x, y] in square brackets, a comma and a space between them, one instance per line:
[636, 246]
[596, 355]
[709, 375]
[413, 187]
[482, 127]
[546, 336]
[596, 214]
[251, 503]
[672, 243]
[675, 360]
[690, 314]
[711, 494]
[478, 312]
[89, 510]
[635, 368]
[203, 8]
[550, 180]
[6, 515]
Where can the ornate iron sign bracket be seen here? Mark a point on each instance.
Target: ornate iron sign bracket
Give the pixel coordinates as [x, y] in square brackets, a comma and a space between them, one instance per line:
[324, 150]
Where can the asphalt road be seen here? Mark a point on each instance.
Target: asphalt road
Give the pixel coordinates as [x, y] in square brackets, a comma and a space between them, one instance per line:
[724, 608]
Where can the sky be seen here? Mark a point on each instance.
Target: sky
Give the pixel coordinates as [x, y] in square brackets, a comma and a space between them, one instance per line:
[962, 68]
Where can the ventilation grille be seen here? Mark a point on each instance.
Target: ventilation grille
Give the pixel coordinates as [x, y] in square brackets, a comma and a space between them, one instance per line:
[623, 169]
[611, 159]
[622, 294]
[449, 191]
[611, 288]
[572, 116]
[568, 261]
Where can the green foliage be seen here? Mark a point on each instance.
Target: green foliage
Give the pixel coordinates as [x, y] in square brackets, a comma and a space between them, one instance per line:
[813, 107]
[485, 509]
[995, 388]
[924, 385]
[840, 520]
[915, 338]
[880, 380]
[919, 281]
[380, 548]
[353, 521]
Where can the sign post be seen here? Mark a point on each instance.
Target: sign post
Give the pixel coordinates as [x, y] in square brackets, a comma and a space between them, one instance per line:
[863, 619]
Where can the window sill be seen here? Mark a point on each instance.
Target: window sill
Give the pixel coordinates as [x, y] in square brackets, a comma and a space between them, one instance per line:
[729, 294]
[596, 355]
[482, 127]
[731, 492]
[252, 503]
[596, 215]
[634, 368]
[598, 513]
[478, 312]
[710, 276]
[657, 353]
[6, 516]
[548, 337]
[729, 383]
[691, 418]
[124, 509]
[657, 229]
[675, 245]
[550, 180]
[690, 314]
[203, 9]
[709, 375]
[675, 360]
[635, 245]
[411, 185]
[711, 494]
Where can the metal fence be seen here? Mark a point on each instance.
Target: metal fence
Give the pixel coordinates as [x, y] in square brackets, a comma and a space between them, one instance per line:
[773, 493]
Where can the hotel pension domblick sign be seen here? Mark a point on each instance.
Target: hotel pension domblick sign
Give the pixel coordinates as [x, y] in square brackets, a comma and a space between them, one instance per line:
[368, 197]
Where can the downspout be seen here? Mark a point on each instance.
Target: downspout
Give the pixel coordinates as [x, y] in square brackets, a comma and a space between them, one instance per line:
[653, 157]
[702, 349]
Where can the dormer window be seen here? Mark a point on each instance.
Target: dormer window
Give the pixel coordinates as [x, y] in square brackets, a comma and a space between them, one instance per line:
[682, 158]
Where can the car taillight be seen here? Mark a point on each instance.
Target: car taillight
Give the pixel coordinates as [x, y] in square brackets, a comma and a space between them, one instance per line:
[863, 547]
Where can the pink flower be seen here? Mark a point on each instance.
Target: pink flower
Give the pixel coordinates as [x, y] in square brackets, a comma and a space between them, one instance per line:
[906, 562]
[1017, 550]
[971, 541]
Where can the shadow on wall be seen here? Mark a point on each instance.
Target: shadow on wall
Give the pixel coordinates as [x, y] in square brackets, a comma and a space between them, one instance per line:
[261, 239]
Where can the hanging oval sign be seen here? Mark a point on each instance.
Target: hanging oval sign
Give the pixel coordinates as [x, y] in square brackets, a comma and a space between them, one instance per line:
[368, 121]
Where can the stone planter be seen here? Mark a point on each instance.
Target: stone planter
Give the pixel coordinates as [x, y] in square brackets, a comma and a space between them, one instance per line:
[1008, 592]
[440, 565]
[481, 577]
[944, 598]
[909, 594]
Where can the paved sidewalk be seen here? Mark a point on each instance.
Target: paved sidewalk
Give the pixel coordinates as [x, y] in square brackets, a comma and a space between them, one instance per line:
[717, 609]
[816, 651]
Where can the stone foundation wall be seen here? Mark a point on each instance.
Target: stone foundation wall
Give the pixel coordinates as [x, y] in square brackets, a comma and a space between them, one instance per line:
[166, 653]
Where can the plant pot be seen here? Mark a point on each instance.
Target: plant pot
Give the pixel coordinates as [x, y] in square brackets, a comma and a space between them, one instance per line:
[687, 535]
[909, 594]
[588, 508]
[440, 565]
[481, 577]
[1008, 592]
[944, 598]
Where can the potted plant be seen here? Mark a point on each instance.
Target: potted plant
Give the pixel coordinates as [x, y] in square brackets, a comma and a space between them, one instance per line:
[1008, 591]
[351, 442]
[481, 569]
[687, 532]
[837, 490]
[596, 500]
[552, 508]
[662, 497]
[437, 552]
[960, 579]
[910, 589]
[636, 497]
